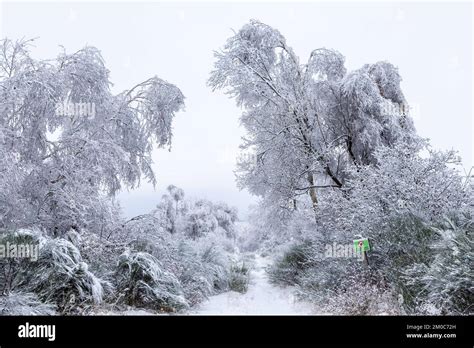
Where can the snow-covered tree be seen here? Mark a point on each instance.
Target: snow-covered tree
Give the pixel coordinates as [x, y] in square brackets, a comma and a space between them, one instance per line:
[67, 159]
[200, 220]
[177, 194]
[306, 123]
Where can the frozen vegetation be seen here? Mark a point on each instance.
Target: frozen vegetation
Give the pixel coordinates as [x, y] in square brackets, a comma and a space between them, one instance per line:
[333, 155]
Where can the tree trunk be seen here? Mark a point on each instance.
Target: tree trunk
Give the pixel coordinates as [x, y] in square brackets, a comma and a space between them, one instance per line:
[312, 190]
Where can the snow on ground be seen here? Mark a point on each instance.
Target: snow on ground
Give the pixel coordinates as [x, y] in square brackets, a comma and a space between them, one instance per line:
[261, 298]
[130, 311]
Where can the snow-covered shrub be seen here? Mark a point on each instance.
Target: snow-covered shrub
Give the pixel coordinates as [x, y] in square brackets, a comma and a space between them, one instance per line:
[142, 282]
[196, 287]
[11, 267]
[217, 265]
[360, 299]
[61, 277]
[24, 304]
[191, 272]
[181, 257]
[164, 269]
[239, 277]
[402, 183]
[144, 227]
[406, 181]
[401, 243]
[287, 269]
[445, 285]
[192, 241]
[99, 253]
[202, 266]
[347, 286]
[147, 233]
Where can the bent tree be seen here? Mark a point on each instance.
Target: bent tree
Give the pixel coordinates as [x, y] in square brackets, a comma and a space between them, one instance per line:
[307, 124]
[59, 169]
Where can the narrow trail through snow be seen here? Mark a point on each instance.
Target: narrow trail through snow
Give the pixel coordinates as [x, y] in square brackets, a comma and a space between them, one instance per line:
[261, 298]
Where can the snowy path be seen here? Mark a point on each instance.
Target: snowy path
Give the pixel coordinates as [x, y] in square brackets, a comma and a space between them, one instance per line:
[261, 298]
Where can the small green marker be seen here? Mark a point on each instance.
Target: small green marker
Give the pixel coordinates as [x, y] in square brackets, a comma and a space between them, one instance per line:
[361, 245]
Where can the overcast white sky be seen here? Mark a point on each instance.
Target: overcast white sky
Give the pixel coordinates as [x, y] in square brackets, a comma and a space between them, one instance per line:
[431, 43]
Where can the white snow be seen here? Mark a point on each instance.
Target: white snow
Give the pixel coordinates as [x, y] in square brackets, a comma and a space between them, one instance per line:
[261, 298]
[130, 311]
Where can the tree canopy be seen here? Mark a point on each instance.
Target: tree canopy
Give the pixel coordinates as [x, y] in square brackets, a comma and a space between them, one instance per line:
[306, 123]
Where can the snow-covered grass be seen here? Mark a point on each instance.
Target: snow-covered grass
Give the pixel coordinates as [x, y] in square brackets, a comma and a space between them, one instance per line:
[24, 304]
[126, 310]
